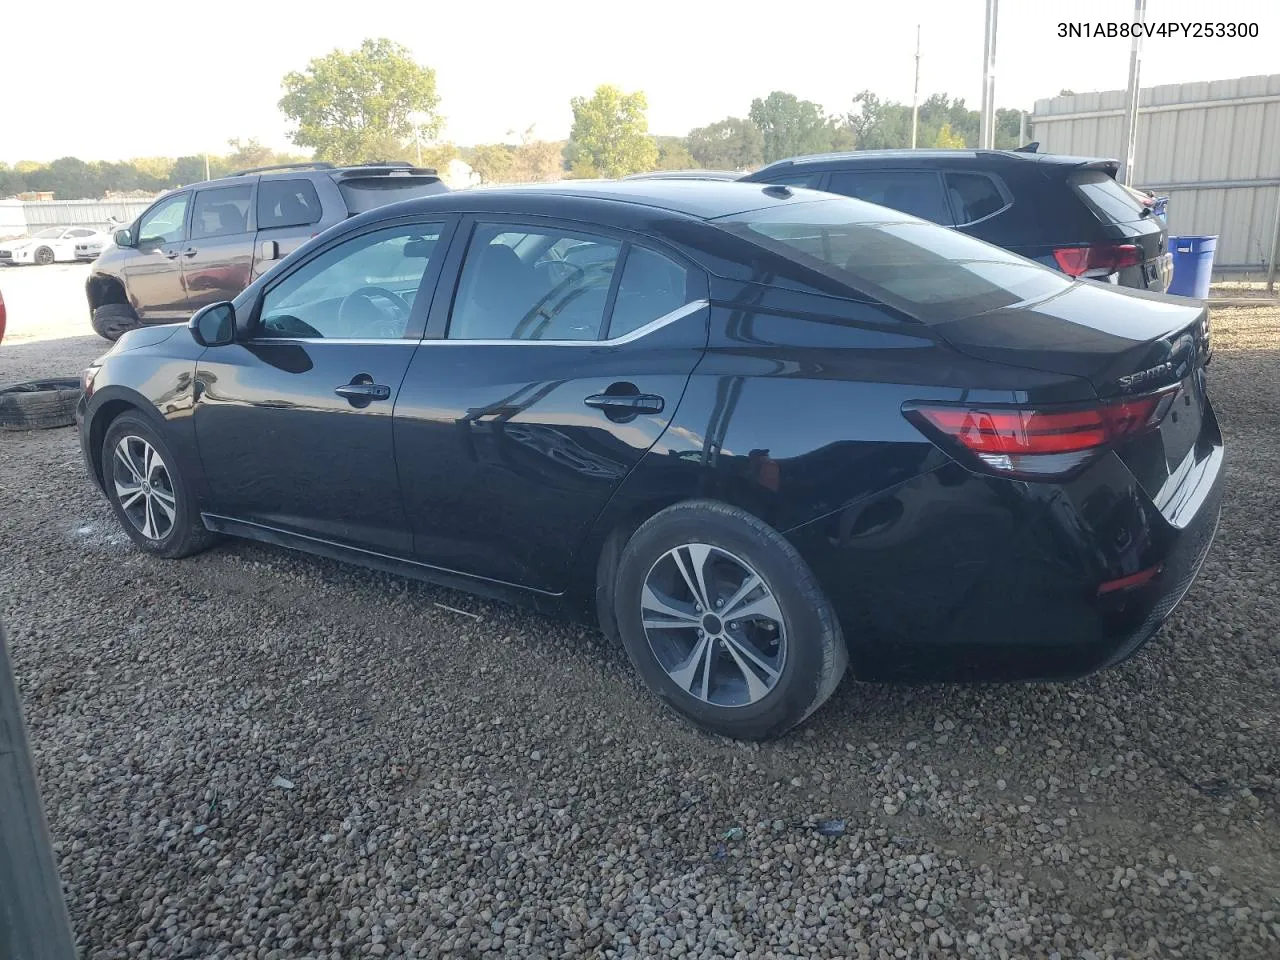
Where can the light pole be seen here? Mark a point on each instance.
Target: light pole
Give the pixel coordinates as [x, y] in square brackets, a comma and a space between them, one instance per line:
[915, 95]
[1131, 96]
[986, 122]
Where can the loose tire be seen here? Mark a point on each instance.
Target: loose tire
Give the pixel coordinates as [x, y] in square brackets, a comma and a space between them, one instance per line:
[725, 621]
[44, 256]
[39, 404]
[148, 492]
[112, 320]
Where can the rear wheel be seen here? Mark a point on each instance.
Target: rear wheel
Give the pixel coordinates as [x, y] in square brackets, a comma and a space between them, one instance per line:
[148, 492]
[44, 256]
[112, 320]
[725, 621]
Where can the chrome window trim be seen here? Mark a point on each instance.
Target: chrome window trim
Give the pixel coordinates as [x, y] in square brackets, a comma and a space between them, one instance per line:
[679, 313]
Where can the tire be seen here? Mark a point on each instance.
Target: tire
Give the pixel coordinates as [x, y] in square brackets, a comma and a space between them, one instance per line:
[794, 634]
[39, 404]
[112, 320]
[44, 256]
[160, 517]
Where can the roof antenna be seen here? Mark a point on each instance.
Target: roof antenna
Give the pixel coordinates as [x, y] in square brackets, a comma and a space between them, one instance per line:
[779, 190]
[1031, 147]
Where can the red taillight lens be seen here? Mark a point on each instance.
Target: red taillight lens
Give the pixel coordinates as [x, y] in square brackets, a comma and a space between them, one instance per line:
[1036, 442]
[1097, 259]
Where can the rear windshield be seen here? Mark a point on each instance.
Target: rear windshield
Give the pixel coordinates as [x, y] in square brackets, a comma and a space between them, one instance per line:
[365, 193]
[1108, 199]
[928, 272]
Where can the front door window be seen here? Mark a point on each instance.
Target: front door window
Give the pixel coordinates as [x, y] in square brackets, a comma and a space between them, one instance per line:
[164, 223]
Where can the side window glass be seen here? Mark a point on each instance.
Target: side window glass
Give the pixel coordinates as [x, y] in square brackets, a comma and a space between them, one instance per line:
[164, 223]
[918, 193]
[287, 203]
[550, 285]
[79, 232]
[973, 196]
[361, 289]
[221, 213]
[651, 287]
[798, 179]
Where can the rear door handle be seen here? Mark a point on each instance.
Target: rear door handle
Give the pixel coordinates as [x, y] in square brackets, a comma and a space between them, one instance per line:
[360, 392]
[189, 252]
[171, 254]
[626, 403]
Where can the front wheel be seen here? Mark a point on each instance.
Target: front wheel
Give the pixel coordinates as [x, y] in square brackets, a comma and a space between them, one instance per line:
[148, 492]
[725, 621]
[44, 256]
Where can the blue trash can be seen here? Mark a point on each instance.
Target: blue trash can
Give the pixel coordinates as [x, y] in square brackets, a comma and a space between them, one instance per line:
[1192, 266]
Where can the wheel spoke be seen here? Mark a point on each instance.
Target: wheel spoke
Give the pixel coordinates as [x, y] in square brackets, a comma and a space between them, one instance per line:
[653, 602]
[755, 686]
[687, 671]
[748, 585]
[694, 571]
[122, 454]
[752, 655]
[165, 503]
[148, 460]
[128, 495]
[149, 522]
[761, 608]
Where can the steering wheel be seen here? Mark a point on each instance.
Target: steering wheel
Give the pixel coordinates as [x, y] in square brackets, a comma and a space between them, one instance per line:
[542, 313]
[366, 295]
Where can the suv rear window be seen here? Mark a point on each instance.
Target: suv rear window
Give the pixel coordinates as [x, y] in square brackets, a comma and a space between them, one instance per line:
[928, 272]
[1108, 199]
[974, 196]
[365, 193]
[917, 192]
[287, 203]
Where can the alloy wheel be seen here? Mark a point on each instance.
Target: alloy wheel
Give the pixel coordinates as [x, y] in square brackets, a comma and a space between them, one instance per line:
[714, 625]
[144, 487]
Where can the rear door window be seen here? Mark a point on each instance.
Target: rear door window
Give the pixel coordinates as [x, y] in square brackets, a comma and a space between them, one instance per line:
[651, 287]
[928, 272]
[1111, 202]
[287, 203]
[798, 179]
[974, 196]
[917, 192]
[221, 213]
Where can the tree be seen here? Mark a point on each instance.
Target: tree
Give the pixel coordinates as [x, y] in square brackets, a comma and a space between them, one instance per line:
[248, 153]
[673, 154]
[492, 162]
[790, 125]
[946, 139]
[610, 134]
[188, 170]
[1008, 129]
[537, 161]
[350, 106]
[728, 144]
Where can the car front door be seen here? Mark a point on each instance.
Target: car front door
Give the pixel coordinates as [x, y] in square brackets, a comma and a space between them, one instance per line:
[153, 273]
[557, 366]
[218, 257]
[294, 422]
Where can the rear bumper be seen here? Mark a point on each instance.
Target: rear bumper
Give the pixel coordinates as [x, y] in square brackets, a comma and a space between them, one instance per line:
[972, 578]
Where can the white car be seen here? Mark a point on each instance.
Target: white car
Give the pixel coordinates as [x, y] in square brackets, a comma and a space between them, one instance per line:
[56, 244]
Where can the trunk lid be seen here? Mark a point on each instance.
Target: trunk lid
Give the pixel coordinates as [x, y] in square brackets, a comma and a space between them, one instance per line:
[1125, 343]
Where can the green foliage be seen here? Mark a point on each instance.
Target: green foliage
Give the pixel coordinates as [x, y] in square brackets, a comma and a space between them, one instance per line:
[729, 144]
[529, 161]
[673, 154]
[791, 126]
[1008, 129]
[947, 139]
[610, 134]
[361, 105]
[248, 153]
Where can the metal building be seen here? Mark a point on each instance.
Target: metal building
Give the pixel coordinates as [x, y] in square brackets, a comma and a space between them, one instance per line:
[1213, 148]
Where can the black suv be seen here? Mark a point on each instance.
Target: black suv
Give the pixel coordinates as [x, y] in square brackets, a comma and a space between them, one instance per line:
[206, 242]
[1065, 212]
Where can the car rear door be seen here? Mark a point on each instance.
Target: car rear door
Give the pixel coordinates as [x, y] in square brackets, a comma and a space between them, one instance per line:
[558, 364]
[288, 213]
[294, 424]
[217, 260]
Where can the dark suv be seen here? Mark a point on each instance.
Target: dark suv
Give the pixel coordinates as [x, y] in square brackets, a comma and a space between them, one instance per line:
[1065, 212]
[206, 242]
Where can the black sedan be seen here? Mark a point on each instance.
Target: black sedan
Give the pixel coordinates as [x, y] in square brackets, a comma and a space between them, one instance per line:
[763, 433]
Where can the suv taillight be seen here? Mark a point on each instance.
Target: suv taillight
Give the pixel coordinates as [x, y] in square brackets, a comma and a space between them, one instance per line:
[1036, 443]
[1097, 259]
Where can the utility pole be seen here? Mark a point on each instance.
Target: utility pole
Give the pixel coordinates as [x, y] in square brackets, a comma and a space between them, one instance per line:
[33, 915]
[206, 166]
[915, 95]
[987, 119]
[1131, 96]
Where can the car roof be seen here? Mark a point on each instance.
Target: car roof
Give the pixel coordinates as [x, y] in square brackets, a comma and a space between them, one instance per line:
[924, 156]
[685, 175]
[698, 199]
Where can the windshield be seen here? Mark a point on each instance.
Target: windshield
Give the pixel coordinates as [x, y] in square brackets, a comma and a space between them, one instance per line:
[53, 233]
[928, 272]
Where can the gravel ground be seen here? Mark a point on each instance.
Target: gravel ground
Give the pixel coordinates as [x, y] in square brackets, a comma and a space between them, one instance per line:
[256, 754]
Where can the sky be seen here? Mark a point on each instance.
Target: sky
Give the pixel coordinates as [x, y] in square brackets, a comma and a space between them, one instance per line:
[113, 80]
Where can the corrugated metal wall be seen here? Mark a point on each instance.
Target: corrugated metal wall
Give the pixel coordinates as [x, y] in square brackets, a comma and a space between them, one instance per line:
[1213, 148]
[72, 213]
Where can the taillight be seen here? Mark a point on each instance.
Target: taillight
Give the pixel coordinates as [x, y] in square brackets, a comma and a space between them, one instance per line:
[1097, 259]
[1036, 442]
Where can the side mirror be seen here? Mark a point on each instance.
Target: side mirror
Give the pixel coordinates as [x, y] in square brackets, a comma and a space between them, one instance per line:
[123, 237]
[214, 325]
[269, 250]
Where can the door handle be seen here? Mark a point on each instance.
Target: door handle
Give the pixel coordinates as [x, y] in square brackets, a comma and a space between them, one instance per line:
[362, 391]
[623, 402]
[189, 252]
[171, 254]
